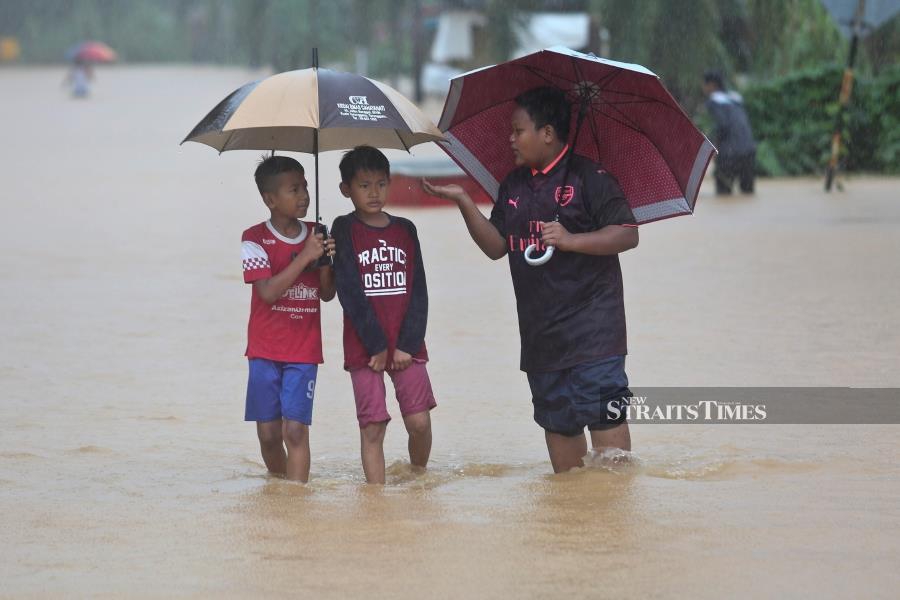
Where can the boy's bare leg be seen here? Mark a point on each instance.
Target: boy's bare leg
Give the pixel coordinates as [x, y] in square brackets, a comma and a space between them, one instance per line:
[296, 438]
[617, 437]
[371, 439]
[418, 426]
[272, 446]
[566, 452]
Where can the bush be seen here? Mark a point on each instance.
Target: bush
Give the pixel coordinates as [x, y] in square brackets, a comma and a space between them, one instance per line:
[793, 118]
[884, 106]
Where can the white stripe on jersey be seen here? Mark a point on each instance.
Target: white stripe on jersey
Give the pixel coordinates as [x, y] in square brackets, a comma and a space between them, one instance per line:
[253, 256]
[386, 292]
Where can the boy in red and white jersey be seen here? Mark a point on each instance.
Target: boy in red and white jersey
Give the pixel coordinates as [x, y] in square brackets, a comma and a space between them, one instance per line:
[284, 335]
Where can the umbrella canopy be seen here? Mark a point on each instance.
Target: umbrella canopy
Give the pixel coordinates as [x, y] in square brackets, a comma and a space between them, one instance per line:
[314, 110]
[871, 14]
[631, 125]
[91, 51]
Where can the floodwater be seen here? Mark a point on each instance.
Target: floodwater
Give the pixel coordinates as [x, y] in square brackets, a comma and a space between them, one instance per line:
[126, 470]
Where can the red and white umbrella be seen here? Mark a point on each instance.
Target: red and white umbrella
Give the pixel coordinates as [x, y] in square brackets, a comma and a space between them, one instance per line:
[91, 51]
[631, 125]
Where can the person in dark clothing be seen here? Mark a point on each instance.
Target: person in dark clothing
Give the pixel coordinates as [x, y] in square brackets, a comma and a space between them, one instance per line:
[732, 136]
[380, 280]
[571, 308]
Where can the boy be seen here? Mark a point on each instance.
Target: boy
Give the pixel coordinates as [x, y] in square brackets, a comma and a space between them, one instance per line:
[571, 310]
[381, 285]
[284, 338]
[732, 136]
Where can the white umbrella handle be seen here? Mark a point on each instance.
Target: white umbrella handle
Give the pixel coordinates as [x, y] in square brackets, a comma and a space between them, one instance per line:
[539, 260]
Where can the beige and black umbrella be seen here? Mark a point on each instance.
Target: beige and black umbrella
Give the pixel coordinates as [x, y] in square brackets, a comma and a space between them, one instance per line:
[314, 110]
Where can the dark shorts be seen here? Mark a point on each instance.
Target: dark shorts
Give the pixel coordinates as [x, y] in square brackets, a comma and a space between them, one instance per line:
[586, 395]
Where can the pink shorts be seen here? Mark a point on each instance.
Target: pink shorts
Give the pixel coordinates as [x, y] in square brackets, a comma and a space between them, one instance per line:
[413, 389]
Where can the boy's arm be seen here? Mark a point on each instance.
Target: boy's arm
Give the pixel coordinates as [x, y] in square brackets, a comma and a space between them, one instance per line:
[412, 330]
[272, 288]
[350, 293]
[483, 232]
[326, 274]
[611, 239]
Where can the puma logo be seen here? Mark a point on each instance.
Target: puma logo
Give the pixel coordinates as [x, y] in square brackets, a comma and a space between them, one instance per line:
[514, 203]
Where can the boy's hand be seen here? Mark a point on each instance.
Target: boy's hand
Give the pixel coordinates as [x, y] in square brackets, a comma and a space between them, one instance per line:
[450, 192]
[554, 234]
[313, 249]
[377, 362]
[329, 246]
[401, 360]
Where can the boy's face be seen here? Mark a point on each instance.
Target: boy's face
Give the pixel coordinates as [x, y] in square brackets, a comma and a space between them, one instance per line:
[368, 190]
[290, 198]
[529, 145]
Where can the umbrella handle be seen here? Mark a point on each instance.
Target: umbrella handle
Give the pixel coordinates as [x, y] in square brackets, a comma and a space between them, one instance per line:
[324, 260]
[539, 260]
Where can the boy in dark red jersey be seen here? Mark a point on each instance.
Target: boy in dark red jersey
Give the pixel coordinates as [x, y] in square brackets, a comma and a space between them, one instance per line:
[284, 341]
[571, 308]
[380, 281]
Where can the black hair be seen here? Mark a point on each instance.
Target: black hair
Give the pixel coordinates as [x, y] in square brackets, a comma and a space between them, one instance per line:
[270, 168]
[363, 158]
[715, 78]
[548, 106]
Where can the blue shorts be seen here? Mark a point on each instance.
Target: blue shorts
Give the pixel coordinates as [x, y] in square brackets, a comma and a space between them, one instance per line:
[278, 390]
[586, 395]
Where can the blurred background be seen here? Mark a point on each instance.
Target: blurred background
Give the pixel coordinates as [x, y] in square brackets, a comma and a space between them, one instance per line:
[786, 57]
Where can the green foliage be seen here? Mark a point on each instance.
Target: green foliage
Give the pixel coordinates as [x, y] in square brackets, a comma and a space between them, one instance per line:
[793, 118]
[883, 104]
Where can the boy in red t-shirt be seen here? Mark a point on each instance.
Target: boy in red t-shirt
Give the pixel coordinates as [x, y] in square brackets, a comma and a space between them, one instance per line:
[284, 341]
[381, 285]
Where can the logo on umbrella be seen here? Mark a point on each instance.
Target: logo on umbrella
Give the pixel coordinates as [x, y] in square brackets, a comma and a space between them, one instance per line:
[358, 100]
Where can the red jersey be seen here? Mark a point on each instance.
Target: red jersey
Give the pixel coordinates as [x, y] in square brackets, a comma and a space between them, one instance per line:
[290, 329]
[380, 280]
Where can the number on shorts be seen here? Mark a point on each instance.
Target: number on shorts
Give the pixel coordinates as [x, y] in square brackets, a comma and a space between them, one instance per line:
[311, 388]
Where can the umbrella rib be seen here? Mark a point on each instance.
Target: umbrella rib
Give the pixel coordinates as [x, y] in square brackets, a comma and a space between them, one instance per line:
[543, 75]
[597, 93]
[399, 137]
[227, 141]
[613, 105]
[547, 76]
[619, 121]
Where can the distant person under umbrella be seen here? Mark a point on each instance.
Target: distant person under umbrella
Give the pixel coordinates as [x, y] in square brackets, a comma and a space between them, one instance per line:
[79, 79]
[733, 136]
